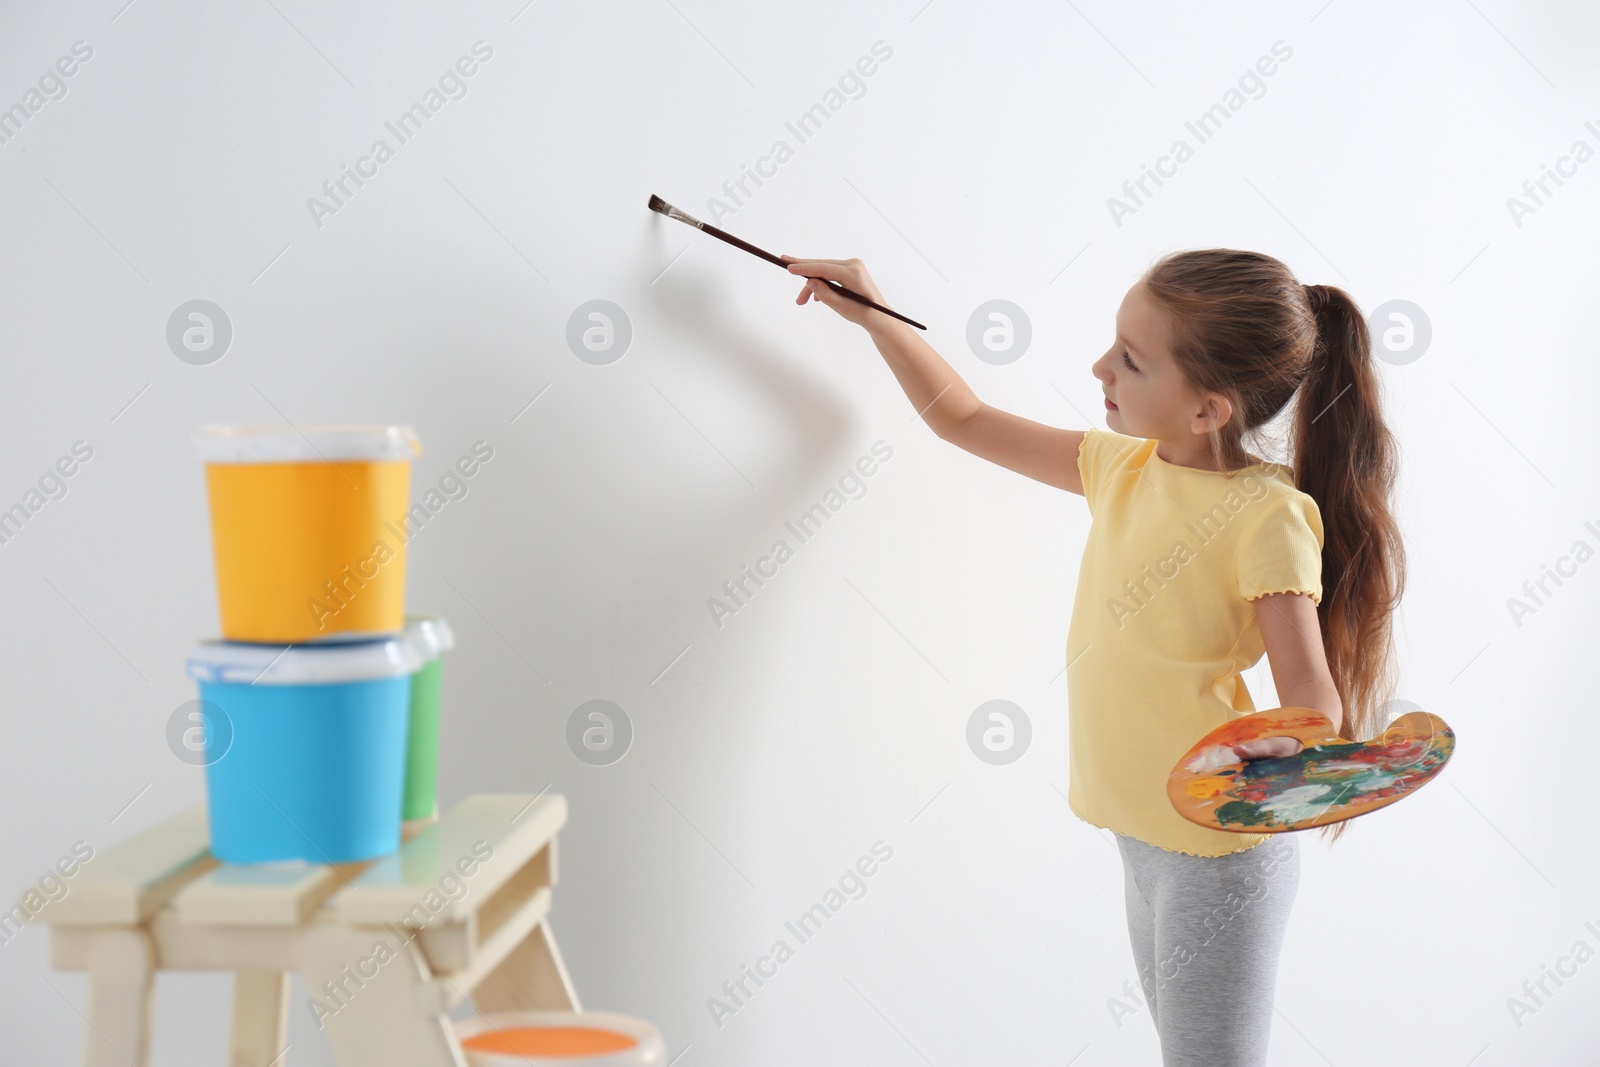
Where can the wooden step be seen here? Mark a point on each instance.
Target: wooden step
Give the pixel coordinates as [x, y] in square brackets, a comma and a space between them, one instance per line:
[125, 883]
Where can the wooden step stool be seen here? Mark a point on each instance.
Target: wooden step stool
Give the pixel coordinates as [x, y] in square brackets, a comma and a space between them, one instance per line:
[387, 948]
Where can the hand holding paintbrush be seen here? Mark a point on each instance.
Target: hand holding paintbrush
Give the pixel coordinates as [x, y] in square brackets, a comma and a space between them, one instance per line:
[822, 278]
[823, 272]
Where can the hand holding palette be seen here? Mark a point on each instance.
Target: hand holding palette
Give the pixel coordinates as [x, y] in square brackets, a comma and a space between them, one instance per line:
[1329, 780]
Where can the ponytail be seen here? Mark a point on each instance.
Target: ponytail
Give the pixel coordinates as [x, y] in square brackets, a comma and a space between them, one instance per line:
[1347, 460]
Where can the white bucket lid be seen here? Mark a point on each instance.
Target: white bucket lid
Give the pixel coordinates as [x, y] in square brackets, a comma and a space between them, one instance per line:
[239, 663]
[431, 633]
[220, 443]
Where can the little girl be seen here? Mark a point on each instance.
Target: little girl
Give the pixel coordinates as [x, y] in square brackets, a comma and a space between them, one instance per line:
[1200, 557]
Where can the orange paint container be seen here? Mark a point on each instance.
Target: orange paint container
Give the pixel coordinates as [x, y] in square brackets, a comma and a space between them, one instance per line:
[560, 1039]
[308, 529]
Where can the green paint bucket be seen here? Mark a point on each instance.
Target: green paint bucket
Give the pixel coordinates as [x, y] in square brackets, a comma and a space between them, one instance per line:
[431, 636]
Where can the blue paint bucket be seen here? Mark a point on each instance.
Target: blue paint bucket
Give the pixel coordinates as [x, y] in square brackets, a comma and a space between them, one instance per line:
[305, 750]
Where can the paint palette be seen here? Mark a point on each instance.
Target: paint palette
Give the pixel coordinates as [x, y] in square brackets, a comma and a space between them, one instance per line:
[1329, 780]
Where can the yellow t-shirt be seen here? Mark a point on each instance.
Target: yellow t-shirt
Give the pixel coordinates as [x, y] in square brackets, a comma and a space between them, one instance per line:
[1163, 624]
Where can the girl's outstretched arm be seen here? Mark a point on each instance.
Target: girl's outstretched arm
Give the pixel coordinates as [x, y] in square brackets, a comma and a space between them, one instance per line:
[946, 403]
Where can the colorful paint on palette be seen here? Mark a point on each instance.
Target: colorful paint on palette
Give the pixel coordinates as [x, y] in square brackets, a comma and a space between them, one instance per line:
[1329, 780]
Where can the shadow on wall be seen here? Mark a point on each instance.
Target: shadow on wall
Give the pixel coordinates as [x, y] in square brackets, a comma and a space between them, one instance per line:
[814, 435]
[815, 419]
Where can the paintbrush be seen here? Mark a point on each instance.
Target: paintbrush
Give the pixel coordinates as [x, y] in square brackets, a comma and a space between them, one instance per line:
[660, 205]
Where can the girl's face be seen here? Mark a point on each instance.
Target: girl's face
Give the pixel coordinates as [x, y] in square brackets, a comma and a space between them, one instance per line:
[1139, 376]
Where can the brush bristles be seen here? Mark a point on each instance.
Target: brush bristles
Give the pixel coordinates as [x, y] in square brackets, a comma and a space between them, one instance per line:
[659, 205]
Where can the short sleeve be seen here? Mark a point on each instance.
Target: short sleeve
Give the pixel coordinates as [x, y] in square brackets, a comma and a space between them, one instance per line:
[1100, 453]
[1283, 553]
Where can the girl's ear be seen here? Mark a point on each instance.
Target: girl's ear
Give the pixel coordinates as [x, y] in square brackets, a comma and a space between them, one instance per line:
[1224, 409]
[1215, 411]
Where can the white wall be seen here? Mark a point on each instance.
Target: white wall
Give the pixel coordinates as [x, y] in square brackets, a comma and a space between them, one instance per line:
[830, 712]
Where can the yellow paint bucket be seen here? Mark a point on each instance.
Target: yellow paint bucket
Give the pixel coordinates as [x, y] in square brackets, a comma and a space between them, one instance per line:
[308, 529]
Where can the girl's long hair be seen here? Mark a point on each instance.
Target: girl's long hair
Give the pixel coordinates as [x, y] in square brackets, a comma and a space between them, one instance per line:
[1243, 326]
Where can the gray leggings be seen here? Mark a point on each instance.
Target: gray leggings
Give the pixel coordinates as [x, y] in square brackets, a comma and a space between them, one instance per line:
[1206, 931]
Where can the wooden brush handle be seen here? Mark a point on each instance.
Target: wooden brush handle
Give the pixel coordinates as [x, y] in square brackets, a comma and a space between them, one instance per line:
[835, 286]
